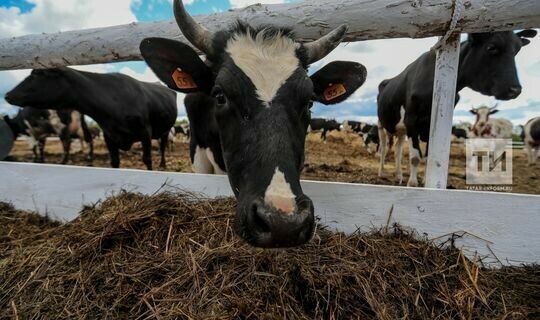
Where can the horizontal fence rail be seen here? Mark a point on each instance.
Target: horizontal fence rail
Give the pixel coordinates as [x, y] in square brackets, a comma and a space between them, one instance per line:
[367, 19]
[497, 226]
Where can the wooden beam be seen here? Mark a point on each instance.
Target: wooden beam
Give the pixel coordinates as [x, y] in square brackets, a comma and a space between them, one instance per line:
[442, 112]
[505, 225]
[367, 19]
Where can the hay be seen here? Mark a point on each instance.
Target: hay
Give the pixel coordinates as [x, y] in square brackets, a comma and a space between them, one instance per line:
[175, 256]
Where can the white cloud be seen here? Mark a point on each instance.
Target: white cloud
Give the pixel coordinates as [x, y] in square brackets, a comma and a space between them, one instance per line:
[62, 15]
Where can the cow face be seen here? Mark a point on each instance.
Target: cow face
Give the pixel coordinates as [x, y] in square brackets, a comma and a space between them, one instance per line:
[482, 118]
[489, 66]
[262, 94]
[42, 89]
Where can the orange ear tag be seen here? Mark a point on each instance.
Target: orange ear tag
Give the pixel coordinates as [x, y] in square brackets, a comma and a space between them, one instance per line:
[183, 79]
[334, 91]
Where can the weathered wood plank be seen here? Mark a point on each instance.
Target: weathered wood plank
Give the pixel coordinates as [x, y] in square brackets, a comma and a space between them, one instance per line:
[442, 112]
[509, 221]
[367, 19]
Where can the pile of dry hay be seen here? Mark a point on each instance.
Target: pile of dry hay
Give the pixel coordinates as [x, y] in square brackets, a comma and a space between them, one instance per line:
[175, 256]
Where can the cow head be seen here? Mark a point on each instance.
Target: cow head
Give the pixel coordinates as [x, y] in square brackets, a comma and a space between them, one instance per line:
[262, 93]
[482, 118]
[489, 66]
[43, 88]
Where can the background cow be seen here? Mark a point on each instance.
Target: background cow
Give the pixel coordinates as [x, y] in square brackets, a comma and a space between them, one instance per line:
[249, 109]
[324, 125]
[35, 124]
[127, 110]
[459, 134]
[488, 127]
[486, 65]
[531, 139]
[39, 124]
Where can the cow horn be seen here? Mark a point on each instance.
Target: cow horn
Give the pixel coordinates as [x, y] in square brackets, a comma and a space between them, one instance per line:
[320, 48]
[494, 107]
[199, 36]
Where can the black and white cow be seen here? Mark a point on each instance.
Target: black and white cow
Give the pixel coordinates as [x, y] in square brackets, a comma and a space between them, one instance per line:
[531, 139]
[127, 110]
[34, 123]
[486, 65]
[324, 125]
[38, 124]
[354, 126]
[249, 109]
[371, 137]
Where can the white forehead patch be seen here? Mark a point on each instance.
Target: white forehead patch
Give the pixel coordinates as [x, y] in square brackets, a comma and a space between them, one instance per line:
[279, 194]
[267, 62]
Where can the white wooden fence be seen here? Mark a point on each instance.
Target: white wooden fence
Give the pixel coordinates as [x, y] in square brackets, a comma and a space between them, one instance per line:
[505, 219]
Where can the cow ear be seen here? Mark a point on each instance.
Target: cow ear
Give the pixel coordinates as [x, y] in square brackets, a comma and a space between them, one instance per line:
[527, 33]
[337, 81]
[177, 65]
[493, 111]
[473, 111]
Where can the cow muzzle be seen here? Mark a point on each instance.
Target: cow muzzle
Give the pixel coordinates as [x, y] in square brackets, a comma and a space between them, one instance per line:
[272, 228]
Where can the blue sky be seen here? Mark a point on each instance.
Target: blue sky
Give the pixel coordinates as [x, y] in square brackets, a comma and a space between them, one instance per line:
[383, 58]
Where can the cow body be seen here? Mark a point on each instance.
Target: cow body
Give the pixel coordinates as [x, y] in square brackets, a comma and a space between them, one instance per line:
[486, 65]
[248, 106]
[531, 139]
[324, 125]
[35, 124]
[127, 110]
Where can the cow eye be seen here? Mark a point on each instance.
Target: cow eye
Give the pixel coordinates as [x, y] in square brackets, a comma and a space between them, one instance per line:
[219, 95]
[492, 49]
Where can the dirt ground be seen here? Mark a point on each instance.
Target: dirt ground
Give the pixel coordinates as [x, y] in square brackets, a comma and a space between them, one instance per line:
[342, 158]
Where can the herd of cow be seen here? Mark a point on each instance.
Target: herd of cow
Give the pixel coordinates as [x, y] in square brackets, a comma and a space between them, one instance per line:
[248, 103]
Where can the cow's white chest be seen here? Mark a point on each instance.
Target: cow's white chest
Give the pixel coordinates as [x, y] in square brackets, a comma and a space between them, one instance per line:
[204, 162]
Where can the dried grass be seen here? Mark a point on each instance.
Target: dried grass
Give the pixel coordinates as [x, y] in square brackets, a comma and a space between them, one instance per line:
[173, 255]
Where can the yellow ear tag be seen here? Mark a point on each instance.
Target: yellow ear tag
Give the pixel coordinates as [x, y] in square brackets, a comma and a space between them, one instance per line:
[334, 91]
[183, 79]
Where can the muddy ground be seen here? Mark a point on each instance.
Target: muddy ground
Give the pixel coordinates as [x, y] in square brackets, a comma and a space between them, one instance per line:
[342, 158]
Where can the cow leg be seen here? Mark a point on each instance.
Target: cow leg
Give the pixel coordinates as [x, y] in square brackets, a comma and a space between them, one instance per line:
[323, 135]
[383, 140]
[415, 156]
[35, 146]
[113, 152]
[163, 143]
[398, 153]
[87, 137]
[146, 142]
[66, 142]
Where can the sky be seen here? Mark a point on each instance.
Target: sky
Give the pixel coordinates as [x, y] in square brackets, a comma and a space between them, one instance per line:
[383, 58]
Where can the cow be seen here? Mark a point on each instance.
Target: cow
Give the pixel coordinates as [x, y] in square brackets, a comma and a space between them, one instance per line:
[249, 106]
[39, 124]
[487, 127]
[127, 110]
[35, 124]
[70, 124]
[371, 137]
[354, 126]
[531, 139]
[324, 125]
[486, 65]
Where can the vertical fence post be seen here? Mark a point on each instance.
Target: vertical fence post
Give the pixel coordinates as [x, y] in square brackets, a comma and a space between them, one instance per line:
[442, 111]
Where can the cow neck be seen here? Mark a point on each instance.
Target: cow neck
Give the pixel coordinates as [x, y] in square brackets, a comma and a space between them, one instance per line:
[462, 80]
